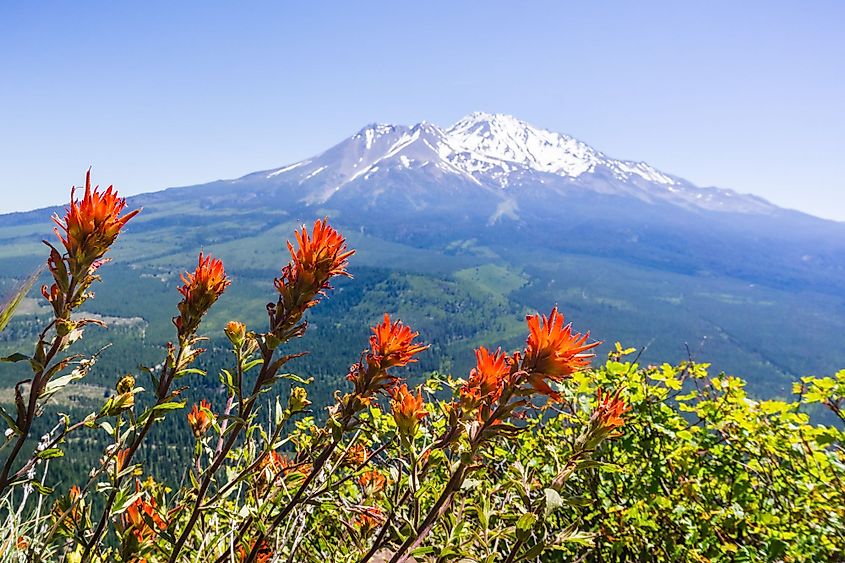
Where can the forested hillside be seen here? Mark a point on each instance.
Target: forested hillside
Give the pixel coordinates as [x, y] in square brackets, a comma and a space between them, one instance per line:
[220, 449]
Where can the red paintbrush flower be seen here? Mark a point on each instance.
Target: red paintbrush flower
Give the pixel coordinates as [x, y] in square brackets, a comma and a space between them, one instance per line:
[90, 226]
[368, 520]
[489, 374]
[199, 292]
[323, 253]
[392, 345]
[553, 351]
[372, 482]
[408, 410]
[263, 555]
[138, 516]
[609, 411]
[199, 418]
[316, 259]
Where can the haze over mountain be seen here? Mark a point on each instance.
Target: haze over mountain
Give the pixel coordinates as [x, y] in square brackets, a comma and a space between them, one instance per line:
[488, 219]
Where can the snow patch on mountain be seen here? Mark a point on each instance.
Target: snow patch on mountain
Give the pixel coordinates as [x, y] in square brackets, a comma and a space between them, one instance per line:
[501, 154]
[287, 168]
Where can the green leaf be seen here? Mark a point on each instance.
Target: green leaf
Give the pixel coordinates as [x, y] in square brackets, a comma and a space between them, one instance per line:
[42, 489]
[16, 357]
[123, 501]
[280, 412]
[249, 365]
[168, 406]
[50, 453]
[189, 371]
[7, 309]
[9, 420]
[533, 553]
[56, 384]
[526, 522]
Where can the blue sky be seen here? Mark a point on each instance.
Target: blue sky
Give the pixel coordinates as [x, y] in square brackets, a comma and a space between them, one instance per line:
[743, 95]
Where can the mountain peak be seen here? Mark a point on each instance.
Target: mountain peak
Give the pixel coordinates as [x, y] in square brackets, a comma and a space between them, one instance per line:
[374, 131]
[501, 119]
[500, 141]
[497, 152]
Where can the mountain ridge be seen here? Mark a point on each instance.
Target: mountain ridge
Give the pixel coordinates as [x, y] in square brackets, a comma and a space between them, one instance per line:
[500, 153]
[383, 139]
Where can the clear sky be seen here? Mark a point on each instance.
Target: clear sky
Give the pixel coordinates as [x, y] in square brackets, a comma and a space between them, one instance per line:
[743, 95]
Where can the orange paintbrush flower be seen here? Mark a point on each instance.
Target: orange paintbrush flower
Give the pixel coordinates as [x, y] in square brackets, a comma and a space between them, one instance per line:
[609, 411]
[392, 345]
[553, 351]
[235, 332]
[200, 291]
[69, 510]
[274, 462]
[263, 555]
[323, 253]
[199, 419]
[90, 226]
[138, 516]
[487, 378]
[274, 466]
[372, 482]
[408, 410]
[314, 261]
[120, 459]
[356, 455]
[368, 520]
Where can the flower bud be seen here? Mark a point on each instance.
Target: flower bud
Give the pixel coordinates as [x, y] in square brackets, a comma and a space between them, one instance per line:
[126, 384]
[235, 332]
[200, 291]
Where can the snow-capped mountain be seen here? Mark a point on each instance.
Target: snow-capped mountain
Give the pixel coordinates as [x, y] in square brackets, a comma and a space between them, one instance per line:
[497, 153]
[494, 180]
[491, 183]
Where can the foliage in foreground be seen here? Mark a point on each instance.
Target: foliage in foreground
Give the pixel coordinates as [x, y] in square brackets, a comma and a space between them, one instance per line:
[531, 456]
